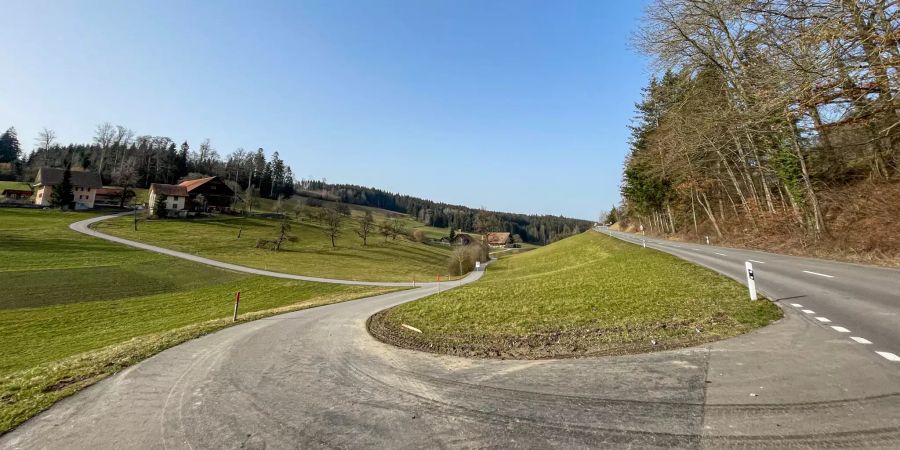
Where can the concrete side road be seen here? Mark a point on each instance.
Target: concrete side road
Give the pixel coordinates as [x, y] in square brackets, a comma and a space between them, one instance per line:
[316, 379]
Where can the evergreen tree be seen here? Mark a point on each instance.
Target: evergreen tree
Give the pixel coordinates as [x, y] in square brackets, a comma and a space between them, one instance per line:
[10, 149]
[159, 209]
[613, 216]
[62, 195]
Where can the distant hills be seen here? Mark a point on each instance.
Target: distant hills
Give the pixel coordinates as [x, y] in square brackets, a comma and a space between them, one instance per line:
[537, 229]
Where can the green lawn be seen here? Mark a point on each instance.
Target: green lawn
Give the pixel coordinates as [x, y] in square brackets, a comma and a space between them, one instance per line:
[586, 295]
[74, 309]
[312, 254]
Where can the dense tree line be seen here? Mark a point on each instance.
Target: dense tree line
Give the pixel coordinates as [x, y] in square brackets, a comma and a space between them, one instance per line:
[540, 229]
[759, 108]
[123, 158]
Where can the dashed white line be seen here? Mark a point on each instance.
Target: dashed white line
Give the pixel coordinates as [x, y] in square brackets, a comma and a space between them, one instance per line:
[823, 319]
[889, 356]
[860, 340]
[840, 329]
[796, 305]
[721, 254]
[809, 311]
[819, 274]
[758, 262]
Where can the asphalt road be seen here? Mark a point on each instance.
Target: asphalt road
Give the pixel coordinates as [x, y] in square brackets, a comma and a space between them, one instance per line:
[316, 379]
[858, 303]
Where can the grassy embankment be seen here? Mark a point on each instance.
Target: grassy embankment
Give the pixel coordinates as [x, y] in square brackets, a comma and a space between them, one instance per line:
[586, 295]
[312, 254]
[75, 309]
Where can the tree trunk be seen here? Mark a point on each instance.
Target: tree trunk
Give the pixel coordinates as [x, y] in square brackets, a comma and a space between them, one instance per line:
[819, 223]
[709, 213]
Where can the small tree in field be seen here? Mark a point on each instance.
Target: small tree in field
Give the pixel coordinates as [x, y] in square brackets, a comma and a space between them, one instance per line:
[366, 226]
[284, 234]
[62, 195]
[343, 209]
[384, 229]
[332, 221]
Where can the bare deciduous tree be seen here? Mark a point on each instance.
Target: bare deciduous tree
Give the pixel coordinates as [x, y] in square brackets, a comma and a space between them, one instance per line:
[366, 226]
[332, 221]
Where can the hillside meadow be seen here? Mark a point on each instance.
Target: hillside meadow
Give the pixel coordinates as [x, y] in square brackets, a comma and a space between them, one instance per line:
[75, 309]
[585, 295]
[233, 239]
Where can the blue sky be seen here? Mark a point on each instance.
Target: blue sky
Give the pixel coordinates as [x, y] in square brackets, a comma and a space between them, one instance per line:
[516, 106]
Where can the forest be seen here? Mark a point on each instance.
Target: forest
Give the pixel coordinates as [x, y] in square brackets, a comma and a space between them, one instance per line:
[768, 123]
[537, 229]
[125, 159]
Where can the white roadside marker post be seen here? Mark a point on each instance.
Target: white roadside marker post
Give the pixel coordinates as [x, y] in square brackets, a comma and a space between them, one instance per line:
[645, 242]
[707, 240]
[751, 280]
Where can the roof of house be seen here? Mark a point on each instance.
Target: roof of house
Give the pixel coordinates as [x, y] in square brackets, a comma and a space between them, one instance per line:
[174, 190]
[468, 238]
[49, 176]
[110, 190]
[190, 185]
[497, 238]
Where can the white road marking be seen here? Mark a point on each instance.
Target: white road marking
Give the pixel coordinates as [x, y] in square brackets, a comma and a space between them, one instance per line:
[697, 249]
[860, 340]
[819, 274]
[796, 305]
[823, 319]
[758, 262]
[722, 254]
[889, 356]
[809, 311]
[840, 329]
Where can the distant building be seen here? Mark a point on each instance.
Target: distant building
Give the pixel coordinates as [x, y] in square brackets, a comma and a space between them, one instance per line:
[464, 239]
[216, 195]
[498, 239]
[175, 197]
[16, 195]
[109, 196]
[84, 186]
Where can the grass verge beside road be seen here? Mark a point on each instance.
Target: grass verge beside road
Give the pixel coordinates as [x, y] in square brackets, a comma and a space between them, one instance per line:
[586, 295]
[76, 309]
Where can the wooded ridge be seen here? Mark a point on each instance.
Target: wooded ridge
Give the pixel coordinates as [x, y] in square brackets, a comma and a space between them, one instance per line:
[767, 118]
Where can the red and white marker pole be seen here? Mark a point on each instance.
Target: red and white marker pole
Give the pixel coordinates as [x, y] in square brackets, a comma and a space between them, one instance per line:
[237, 301]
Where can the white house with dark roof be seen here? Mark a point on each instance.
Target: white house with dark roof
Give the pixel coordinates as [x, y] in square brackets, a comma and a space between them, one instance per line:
[84, 186]
[174, 195]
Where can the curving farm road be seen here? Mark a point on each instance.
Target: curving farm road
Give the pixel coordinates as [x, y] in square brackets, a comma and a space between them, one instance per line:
[84, 227]
[316, 379]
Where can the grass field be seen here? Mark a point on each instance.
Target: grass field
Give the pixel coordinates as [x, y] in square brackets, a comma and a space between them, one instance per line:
[586, 295]
[312, 254]
[74, 309]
